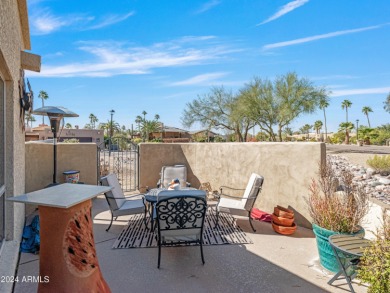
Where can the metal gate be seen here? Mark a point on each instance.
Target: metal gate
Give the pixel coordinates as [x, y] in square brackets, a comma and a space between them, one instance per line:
[120, 156]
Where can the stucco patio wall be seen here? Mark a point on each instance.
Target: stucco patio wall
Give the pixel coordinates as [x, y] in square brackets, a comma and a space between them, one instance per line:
[287, 168]
[70, 156]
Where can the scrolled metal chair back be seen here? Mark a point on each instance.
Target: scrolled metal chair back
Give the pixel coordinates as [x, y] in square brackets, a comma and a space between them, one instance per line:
[181, 212]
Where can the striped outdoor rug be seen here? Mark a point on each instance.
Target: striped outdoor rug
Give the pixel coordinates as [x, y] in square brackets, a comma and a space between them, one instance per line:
[136, 235]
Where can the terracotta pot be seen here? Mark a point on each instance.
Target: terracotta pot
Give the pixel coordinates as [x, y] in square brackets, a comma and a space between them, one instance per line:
[280, 211]
[282, 221]
[284, 230]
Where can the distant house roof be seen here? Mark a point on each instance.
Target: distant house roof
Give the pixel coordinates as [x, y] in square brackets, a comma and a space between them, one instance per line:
[173, 129]
[203, 130]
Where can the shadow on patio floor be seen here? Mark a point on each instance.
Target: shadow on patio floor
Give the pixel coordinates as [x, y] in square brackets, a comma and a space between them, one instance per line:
[273, 263]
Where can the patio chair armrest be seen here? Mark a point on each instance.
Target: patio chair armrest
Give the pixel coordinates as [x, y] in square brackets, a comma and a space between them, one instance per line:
[231, 196]
[221, 187]
[135, 195]
[231, 188]
[142, 195]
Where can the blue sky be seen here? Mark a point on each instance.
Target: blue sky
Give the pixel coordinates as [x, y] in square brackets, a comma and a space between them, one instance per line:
[135, 55]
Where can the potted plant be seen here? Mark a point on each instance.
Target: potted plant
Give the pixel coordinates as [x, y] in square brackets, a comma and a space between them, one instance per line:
[374, 267]
[336, 206]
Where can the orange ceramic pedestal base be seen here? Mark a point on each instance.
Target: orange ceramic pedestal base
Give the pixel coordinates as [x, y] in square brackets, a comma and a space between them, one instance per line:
[68, 261]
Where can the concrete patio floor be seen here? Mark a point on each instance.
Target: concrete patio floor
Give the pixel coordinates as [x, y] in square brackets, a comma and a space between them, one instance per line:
[273, 263]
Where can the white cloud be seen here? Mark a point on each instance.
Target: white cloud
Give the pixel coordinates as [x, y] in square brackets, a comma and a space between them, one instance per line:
[207, 6]
[114, 58]
[285, 9]
[353, 92]
[319, 37]
[45, 23]
[206, 78]
[111, 19]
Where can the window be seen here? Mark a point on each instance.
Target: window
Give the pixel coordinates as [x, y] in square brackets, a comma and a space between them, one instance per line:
[2, 160]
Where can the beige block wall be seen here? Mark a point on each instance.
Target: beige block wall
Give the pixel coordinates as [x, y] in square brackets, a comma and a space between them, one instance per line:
[70, 156]
[286, 167]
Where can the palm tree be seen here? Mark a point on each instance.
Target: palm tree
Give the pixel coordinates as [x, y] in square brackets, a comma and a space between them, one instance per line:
[104, 127]
[138, 121]
[387, 103]
[345, 105]
[305, 129]
[365, 111]
[93, 119]
[144, 113]
[346, 126]
[317, 127]
[30, 118]
[150, 126]
[324, 103]
[44, 96]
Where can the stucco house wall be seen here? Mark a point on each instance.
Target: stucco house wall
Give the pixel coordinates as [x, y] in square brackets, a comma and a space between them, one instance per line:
[14, 39]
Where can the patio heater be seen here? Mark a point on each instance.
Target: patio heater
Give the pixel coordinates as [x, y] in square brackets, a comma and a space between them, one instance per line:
[55, 114]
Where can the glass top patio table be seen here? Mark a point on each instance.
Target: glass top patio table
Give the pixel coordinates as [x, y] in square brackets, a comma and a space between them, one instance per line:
[152, 195]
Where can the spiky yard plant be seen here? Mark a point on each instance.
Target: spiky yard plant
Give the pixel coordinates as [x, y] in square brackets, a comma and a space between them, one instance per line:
[341, 211]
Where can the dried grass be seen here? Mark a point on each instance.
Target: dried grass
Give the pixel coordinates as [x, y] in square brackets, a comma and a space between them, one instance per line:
[341, 211]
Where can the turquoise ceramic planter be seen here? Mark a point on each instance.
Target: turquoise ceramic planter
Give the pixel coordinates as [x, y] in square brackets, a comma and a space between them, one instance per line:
[327, 257]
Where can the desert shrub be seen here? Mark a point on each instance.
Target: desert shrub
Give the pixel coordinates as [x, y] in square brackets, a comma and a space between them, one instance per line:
[219, 139]
[176, 140]
[338, 137]
[380, 163]
[383, 134]
[336, 211]
[375, 263]
[352, 140]
[71, 140]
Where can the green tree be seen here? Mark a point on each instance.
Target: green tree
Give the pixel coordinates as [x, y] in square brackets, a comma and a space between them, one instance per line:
[387, 103]
[317, 127]
[324, 103]
[345, 105]
[219, 108]
[43, 96]
[365, 111]
[277, 104]
[92, 120]
[296, 96]
[68, 126]
[260, 105]
[346, 127]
